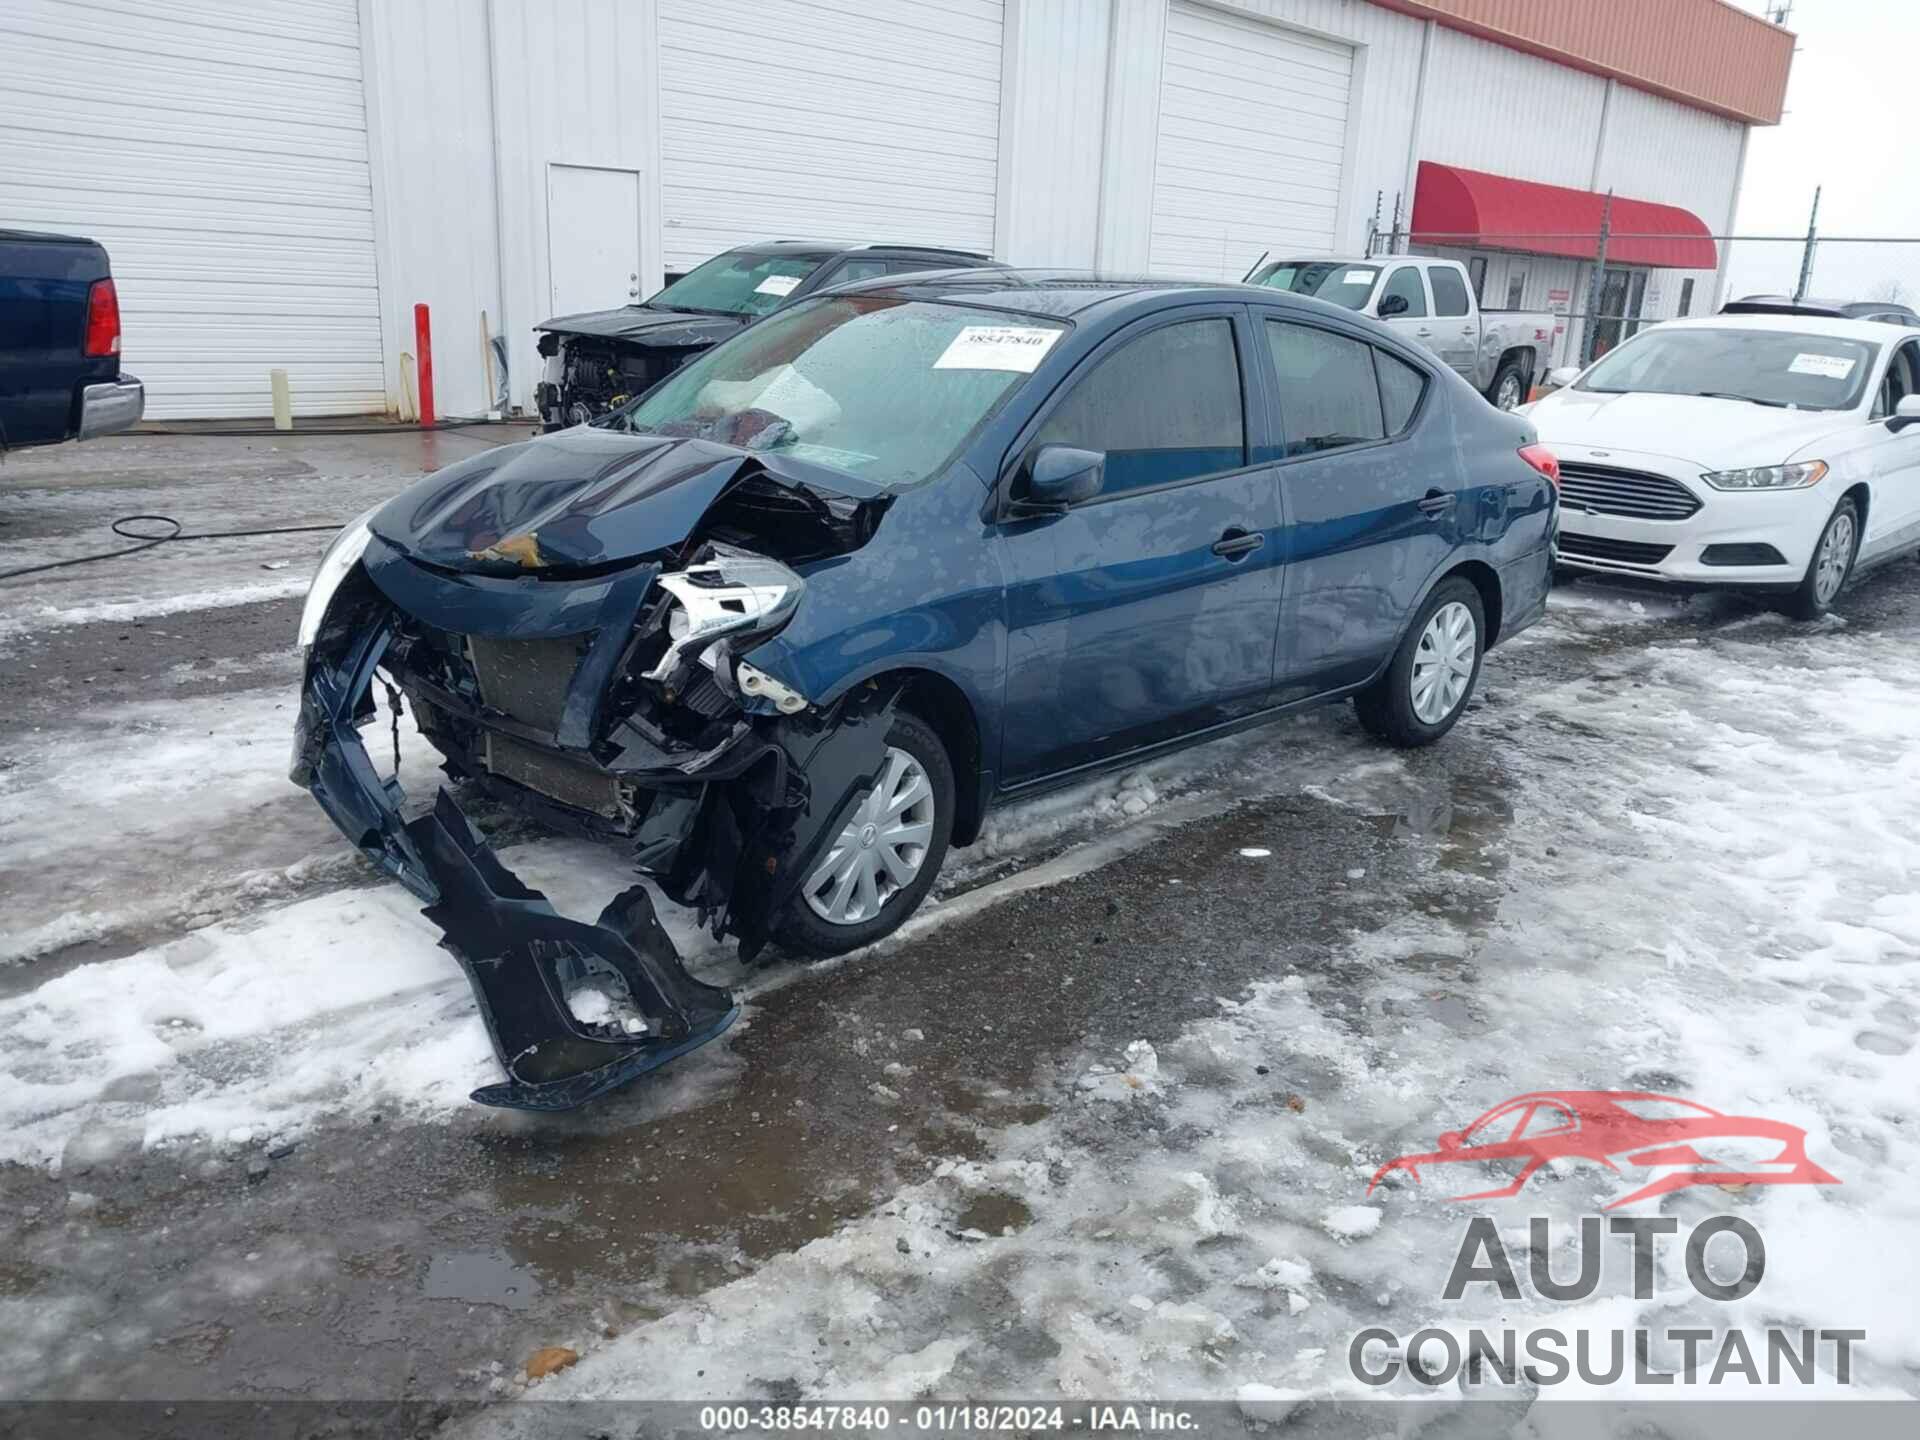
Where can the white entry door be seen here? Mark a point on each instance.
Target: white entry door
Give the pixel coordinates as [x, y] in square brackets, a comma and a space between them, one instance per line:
[593, 238]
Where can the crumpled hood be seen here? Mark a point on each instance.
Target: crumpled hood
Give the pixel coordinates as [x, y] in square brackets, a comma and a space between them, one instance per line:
[579, 497]
[1713, 434]
[668, 329]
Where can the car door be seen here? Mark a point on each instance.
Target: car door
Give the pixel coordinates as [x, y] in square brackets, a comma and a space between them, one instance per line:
[1371, 514]
[1151, 609]
[1404, 306]
[1893, 514]
[1456, 329]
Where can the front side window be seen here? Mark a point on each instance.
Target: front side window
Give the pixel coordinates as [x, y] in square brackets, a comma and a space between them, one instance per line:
[740, 283]
[1403, 298]
[1328, 394]
[1449, 290]
[1768, 367]
[850, 270]
[1164, 407]
[878, 387]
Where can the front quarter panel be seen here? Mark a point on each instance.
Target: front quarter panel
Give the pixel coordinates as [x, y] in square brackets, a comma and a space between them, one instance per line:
[924, 593]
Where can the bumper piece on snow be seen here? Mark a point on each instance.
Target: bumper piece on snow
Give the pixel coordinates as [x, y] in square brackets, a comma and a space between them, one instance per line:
[520, 954]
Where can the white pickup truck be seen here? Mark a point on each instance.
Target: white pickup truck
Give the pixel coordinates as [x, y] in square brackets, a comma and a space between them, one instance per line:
[1503, 353]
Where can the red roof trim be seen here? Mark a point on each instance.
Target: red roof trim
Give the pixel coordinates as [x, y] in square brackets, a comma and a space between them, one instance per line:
[1452, 206]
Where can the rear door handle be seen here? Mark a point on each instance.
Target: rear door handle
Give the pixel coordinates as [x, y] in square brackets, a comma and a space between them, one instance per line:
[1435, 504]
[1236, 543]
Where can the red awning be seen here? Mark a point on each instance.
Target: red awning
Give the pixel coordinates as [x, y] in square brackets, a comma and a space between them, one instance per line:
[1457, 207]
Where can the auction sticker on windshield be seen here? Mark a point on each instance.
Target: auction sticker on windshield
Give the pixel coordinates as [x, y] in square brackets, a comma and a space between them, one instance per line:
[997, 347]
[1833, 367]
[777, 285]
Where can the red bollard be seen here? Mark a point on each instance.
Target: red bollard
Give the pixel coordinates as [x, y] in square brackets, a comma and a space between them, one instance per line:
[423, 352]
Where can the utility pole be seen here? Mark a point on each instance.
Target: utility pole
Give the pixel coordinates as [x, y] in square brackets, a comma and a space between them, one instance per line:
[1594, 286]
[1806, 255]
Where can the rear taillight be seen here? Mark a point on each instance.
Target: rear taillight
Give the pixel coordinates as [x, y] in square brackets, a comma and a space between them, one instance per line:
[103, 320]
[1543, 460]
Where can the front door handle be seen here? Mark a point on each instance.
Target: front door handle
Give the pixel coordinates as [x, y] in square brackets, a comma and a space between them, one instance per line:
[1435, 504]
[1236, 543]
[1423, 333]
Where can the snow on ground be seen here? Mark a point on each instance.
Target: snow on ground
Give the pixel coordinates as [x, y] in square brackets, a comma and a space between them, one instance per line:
[22, 618]
[1711, 891]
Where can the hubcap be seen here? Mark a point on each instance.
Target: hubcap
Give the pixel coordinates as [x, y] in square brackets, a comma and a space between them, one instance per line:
[1836, 553]
[1508, 395]
[1443, 665]
[881, 849]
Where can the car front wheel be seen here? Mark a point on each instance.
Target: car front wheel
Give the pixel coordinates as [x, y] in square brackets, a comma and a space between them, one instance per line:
[1830, 566]
[1426, 687]
[878, 869]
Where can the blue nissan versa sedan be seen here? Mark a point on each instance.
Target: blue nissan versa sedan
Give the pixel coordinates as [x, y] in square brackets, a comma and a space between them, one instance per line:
[791, 622]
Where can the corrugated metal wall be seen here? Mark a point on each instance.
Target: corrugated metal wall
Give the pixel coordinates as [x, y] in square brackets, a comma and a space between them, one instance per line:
[219, 151]
[1052, 131]
[1493, 109]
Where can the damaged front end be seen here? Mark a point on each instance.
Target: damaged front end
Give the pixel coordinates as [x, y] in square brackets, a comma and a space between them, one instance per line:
[608, 698]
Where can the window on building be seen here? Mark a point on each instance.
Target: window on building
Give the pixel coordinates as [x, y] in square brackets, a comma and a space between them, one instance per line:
[1516, 288]
[1404, 284]
[1449, 290]
[1477, 275]
[1328, 395]
[1400, 387]
[1164, 407]
[1686, 297]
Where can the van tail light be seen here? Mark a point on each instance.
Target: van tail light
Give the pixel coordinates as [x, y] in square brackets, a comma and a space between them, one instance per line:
[103, 320]
[1543, 460]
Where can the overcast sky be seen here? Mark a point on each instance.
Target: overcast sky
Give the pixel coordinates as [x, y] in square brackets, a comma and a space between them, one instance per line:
[1845, 130]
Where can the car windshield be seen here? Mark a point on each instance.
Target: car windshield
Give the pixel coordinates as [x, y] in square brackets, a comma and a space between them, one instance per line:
[873, 385]
[1336, 282]
[738, 283]
[1767, 367]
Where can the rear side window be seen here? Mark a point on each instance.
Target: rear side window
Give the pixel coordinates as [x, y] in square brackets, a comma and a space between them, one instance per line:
[1403, 284]
[1328, 395]
[1449, 290]
[1164, 407]
[1400, 387]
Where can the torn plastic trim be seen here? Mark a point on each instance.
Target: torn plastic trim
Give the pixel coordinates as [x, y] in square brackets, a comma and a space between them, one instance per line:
[519, 955]
[733, 594]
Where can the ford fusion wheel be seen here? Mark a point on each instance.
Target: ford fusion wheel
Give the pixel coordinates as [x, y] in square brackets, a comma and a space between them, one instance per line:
[878, 869]
[1832, 563]
[1427, 685]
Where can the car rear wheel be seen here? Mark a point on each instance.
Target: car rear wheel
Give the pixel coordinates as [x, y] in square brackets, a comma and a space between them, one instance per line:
[1427, 687]
[1830, 566]
[1509, 388]
[878, 869]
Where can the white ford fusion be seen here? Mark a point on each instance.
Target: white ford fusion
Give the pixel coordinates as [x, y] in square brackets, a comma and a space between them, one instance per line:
[1773, 451]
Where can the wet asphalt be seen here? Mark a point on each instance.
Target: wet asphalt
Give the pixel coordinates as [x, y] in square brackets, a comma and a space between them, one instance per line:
[388, 1258]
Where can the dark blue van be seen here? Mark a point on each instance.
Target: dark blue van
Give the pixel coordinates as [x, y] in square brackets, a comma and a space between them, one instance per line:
[792, 622]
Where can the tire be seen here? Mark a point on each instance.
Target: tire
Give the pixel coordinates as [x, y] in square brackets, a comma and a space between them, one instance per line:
[808, 924]
[1824, 580]
[1512, 374]
[1391, 708]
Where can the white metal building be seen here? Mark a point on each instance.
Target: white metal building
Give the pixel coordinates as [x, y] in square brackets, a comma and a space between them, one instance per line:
[280, 181]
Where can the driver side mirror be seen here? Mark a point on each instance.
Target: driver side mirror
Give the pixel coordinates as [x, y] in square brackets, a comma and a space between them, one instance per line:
[1058, 478]
[1562, 376]
[1906, 413]
[1391, 305]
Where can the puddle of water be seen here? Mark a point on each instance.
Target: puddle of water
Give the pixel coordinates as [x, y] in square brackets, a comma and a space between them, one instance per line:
[481, 1277]
[994, 1213]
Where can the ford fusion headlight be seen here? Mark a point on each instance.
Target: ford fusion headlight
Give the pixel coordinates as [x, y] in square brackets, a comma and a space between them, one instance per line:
[343, 553]
[1768, 477]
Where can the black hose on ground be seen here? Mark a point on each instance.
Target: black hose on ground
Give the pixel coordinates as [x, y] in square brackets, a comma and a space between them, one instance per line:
[147, 542]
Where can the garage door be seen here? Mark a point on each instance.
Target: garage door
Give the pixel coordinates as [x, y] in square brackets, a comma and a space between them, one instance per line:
[218, 150]
[1253, 122]
[828, 119]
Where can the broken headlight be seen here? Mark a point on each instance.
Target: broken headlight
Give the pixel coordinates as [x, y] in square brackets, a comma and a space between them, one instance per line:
[733, 595]
[342, 554]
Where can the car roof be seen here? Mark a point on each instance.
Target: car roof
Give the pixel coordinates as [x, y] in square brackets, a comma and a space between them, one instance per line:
[1064, 294]
[822, 249]
[1838, 327]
